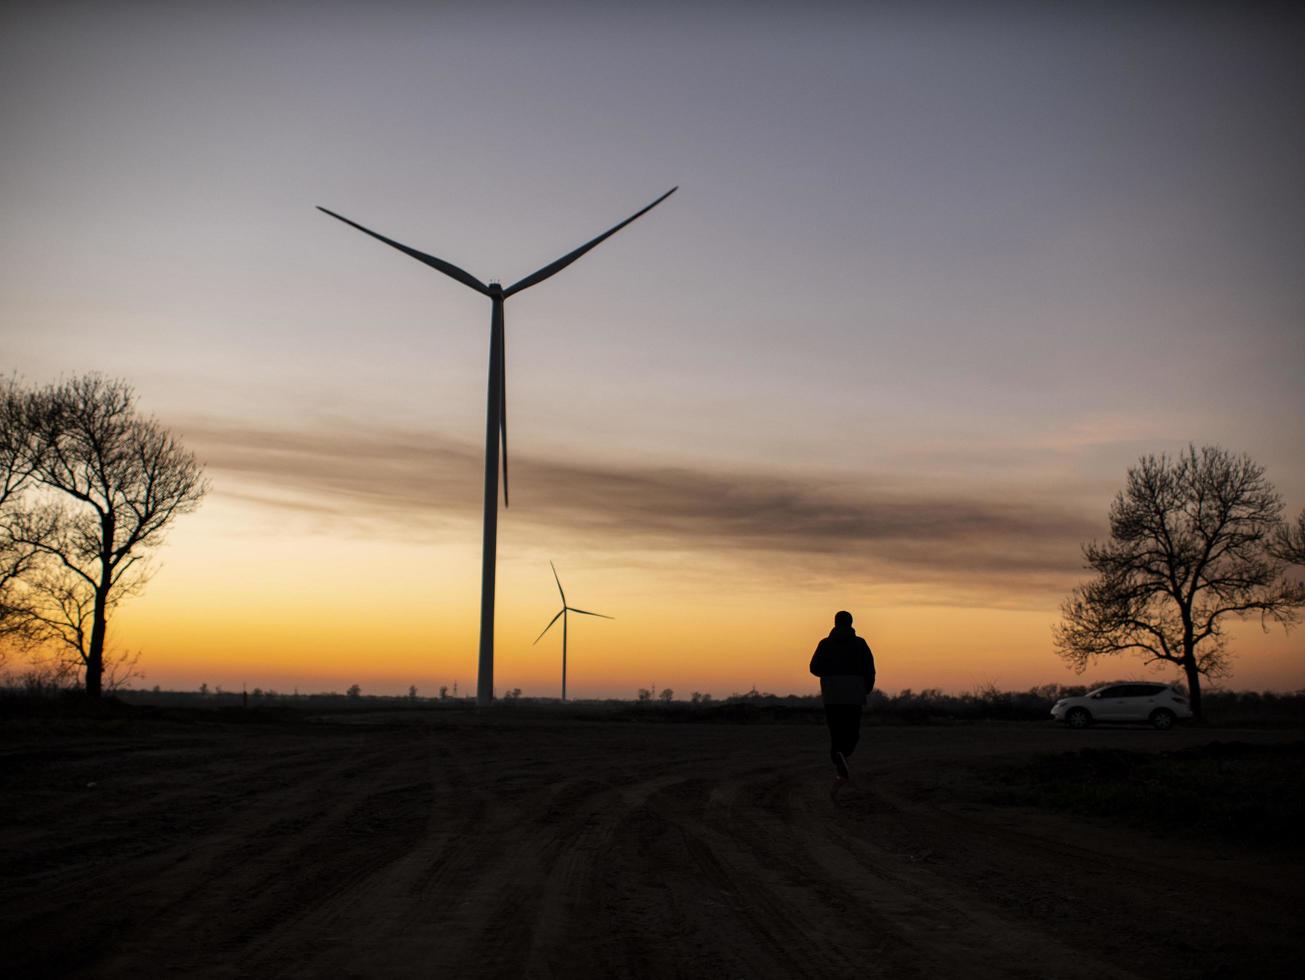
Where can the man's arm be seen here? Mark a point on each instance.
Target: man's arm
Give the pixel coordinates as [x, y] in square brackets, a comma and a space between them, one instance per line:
[869, 668]
[818, 661]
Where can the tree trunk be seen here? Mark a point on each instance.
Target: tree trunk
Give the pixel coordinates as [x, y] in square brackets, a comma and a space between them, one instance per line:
[99, 621]
[1189, 659]
[95, 654]
[1193, 685]
[100, 614]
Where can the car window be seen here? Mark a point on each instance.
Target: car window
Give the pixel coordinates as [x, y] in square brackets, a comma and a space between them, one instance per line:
[1114, 692]
[1137, 690]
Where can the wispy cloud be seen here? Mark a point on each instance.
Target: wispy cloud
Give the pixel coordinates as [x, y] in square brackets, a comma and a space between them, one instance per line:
[404, 479]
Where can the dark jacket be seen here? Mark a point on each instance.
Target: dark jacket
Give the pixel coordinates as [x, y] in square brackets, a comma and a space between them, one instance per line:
[845, 666]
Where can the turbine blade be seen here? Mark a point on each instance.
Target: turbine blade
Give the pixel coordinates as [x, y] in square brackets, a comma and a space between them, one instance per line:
[549, 626]
[555, 267]
[586, 612]
[558, 581]
[448, 268]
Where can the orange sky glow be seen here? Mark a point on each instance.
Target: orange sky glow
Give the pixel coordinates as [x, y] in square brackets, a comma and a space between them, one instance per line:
[312, 606]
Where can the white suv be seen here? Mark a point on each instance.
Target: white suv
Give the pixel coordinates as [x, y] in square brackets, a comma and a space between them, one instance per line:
[1158, 704]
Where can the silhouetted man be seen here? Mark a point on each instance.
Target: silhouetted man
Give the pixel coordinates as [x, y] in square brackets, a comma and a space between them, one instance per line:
[846, 669]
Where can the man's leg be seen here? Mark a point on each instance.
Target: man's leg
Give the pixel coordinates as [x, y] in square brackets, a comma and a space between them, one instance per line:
[851, 729]
[836, 716]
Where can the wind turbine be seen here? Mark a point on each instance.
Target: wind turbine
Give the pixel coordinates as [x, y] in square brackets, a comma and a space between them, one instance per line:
[496, 414]
[562, 616]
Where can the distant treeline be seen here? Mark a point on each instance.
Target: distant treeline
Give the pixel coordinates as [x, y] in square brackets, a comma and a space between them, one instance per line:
[19, 694]
[933, 706]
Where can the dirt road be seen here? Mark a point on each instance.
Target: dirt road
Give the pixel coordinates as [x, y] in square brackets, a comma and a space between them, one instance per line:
[514, 846]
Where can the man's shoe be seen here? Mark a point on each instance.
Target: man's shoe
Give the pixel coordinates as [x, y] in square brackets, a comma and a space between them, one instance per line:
[840, 763]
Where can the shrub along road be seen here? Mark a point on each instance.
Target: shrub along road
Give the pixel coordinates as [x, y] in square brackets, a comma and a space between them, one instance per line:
[512, 843]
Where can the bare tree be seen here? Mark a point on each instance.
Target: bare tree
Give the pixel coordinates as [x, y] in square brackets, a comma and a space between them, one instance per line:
[17, 556]
[116, 481]
[1289, 543]
[1190, 547]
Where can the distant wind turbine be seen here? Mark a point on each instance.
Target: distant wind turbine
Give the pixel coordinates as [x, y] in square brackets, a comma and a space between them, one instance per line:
[562, 616]
[496, 416]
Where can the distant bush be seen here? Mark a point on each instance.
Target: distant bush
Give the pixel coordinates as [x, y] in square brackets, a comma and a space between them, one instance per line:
[988, 703]
[36, 683]
[1250, 709]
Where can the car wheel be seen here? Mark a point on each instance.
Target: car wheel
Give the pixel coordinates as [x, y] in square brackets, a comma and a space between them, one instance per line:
[1163, 719]
[1078, 718]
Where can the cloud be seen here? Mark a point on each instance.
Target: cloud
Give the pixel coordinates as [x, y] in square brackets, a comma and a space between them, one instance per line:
[405, 480]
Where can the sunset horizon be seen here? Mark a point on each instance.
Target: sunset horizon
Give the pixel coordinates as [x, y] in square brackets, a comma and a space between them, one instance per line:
[926, 292]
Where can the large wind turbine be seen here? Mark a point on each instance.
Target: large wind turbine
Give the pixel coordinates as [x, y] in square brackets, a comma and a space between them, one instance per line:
[562, 615]
[496, 415]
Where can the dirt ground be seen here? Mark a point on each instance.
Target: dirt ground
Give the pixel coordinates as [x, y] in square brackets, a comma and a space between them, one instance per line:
[456, 844]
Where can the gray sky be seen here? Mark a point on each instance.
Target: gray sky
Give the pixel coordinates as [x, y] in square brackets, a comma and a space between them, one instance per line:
[925, 249]
[933, 221]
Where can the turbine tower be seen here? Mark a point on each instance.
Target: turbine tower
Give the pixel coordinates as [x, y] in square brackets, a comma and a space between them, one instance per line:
[562, 615]
[496, 413]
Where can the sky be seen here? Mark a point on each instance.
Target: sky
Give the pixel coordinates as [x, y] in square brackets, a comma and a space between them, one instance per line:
[935, 277]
